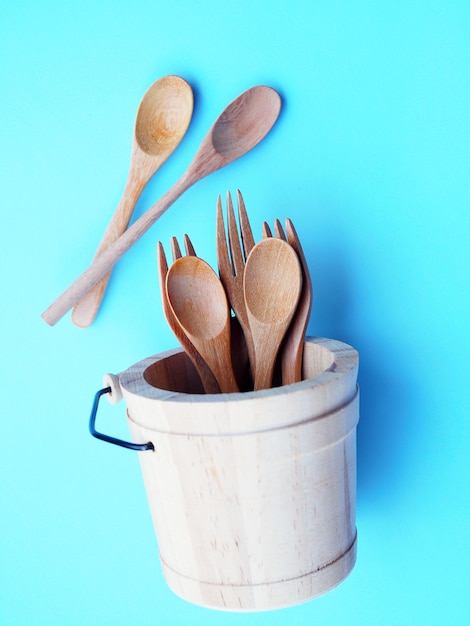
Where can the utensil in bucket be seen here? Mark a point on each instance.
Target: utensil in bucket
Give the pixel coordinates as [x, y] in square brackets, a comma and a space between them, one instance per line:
[252, 494]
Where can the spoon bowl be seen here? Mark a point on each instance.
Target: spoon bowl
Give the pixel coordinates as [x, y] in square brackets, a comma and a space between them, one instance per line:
[229, 138]
[199, 304]
[162, 119]
[163, 116]
[272, 285]
[234, 134]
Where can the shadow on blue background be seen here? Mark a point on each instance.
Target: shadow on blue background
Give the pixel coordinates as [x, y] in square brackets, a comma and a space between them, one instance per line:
[388, 393]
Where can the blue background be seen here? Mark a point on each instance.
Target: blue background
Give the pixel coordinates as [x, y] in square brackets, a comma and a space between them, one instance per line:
[370, 159]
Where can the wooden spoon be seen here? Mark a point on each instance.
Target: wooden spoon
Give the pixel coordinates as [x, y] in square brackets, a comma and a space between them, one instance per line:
[199, 304]
[162, 120]
[272, 285]
[293, 347]
[208, 381]
[240, 127]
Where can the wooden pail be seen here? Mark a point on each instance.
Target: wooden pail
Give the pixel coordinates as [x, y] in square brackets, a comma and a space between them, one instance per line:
[252, 494]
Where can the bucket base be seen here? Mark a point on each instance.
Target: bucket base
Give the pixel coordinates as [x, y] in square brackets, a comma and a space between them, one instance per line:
[265, 596]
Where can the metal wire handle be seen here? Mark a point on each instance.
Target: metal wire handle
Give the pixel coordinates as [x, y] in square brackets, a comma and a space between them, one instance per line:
[140, 447]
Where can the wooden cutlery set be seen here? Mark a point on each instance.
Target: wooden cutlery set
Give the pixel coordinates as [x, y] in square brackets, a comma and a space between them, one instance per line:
[252, 494]
[266, 285]
[162, 119]
[244, 328]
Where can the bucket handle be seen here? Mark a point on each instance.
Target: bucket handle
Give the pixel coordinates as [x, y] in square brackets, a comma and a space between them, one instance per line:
[140, 447]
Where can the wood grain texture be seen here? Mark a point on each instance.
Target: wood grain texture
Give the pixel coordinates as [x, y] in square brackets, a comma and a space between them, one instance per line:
[208, 380]
[231, 257]
[199, 305]
[292, 349]
[162, 119]
[271, 285]
[252, 494]
[239, 128]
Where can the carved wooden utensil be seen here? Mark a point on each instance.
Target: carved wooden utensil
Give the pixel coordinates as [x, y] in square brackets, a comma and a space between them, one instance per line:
[199, 304]
[240, 127]
[293, 346]
[231, 257]
[162, 120]
[208, 380]
[272, 284]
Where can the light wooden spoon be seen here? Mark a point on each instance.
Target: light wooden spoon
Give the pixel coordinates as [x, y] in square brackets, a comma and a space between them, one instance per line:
[162, 120]
[199, 304]
[239, 128]
[272, 285]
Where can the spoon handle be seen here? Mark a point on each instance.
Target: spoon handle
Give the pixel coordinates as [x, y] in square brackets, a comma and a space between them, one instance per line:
[85, 311]
[105, 261]
[265, 358]
[267, 339]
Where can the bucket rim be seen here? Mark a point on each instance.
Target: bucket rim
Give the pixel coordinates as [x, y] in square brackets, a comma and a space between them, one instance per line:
[345, 360]
[164, 411]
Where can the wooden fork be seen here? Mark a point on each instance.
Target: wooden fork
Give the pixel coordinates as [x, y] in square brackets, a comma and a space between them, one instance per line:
[208, 380]
[293, 345]
[231, 258]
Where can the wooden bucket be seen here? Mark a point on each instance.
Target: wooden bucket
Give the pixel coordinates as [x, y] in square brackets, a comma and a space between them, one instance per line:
[252, 494]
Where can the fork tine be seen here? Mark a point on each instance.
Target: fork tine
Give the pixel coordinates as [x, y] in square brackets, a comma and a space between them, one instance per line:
[247, 238]
[236, 253]
[223, 259]
[175, 249]
[294, 241]
[188, 246]
[162, 262]
[163, 269]
[266, 231]
[280, 234]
